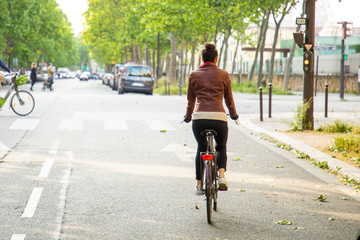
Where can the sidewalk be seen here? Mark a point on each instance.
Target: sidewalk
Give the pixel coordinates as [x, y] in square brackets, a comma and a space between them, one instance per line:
[272, 127]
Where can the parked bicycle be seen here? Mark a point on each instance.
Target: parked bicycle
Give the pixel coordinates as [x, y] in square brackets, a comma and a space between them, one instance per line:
[22, 102]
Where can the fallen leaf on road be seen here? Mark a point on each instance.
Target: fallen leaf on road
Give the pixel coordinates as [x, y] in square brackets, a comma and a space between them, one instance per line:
[284, 222]
[236, 159]
[321, 198]
[242, 190]
[299, 228]
[279, 166]
[197, 206]
[163, 131]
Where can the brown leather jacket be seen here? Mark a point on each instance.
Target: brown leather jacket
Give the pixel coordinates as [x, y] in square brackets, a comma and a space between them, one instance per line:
[208, 86]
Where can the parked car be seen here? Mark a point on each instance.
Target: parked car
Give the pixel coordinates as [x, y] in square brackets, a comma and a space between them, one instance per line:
[119, 68]
[136, 78]
[28, 73]
[109, 79]
[63, 72]
[7, 78]
[84, 76]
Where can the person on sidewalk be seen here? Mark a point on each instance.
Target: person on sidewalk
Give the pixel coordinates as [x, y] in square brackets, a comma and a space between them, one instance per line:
[50, 76]
[207, 87]
[33, 75]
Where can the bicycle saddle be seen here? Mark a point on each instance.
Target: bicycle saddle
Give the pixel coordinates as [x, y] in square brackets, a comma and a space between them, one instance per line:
[208, 132]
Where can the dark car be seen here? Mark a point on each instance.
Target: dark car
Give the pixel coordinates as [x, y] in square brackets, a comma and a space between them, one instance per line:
[136, 78]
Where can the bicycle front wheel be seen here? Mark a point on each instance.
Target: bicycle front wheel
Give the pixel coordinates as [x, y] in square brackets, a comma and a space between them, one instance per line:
[22, 103]
[208, 192]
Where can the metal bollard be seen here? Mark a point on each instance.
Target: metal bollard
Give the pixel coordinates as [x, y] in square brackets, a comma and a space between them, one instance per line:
[270, 94]
[326, 100]
[261, 103]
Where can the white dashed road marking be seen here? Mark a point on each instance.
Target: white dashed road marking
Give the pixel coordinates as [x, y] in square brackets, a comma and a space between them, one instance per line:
[160, 125]
[18, 237]
[25, 124]
[71, 124]
[45, 170]
[115, 125]
[55, 146]
[32, 203]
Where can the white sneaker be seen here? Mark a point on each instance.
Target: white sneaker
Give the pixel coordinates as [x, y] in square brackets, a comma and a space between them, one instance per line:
[223, 185]
[198, 191]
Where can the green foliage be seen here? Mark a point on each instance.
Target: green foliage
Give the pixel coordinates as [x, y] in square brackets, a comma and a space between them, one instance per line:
[347, 143]
[120, 30]
[300, 117]
[250, 87]
[39, 31]
[174, 88]
[337, 127]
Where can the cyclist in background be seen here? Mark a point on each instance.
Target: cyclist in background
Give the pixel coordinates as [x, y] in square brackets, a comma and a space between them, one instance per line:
[208, 86]
[3, 66]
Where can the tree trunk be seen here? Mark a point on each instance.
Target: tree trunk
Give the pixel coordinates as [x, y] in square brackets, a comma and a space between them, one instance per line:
[147, 59]
[276, 35]
[154, 66]
[272, 59]
[125, 55]
[221, 50]
[181, 64]
[139, 54]
[172, 70]
[253, 66]
[234, 59]
[290, 58]
[192, 61]
[262, 46]
[186, 62]
[226, 49]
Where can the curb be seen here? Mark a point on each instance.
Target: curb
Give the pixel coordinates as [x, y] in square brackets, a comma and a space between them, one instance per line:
[343, 169]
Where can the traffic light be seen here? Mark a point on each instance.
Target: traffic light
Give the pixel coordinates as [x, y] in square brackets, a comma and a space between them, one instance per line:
[345, 56]
[347, 29]
[308, 61]
[84, 67]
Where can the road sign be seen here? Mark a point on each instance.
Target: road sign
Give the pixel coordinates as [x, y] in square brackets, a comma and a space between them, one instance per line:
[301, 21]
[308, 46]
[325, 48]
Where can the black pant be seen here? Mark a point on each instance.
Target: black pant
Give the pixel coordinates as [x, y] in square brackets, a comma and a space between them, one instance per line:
[33, 81]
[221, 128]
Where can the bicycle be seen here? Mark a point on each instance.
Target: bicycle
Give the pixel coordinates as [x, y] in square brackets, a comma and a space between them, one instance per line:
[210, 173]
[46, 85]
[22, 102]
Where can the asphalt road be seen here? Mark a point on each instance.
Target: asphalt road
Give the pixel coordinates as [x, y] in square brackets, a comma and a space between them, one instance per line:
[91, 164]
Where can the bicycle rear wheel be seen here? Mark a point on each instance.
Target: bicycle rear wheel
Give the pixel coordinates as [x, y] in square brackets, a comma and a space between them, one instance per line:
[209, 192]
[22, 103]
[215, 189]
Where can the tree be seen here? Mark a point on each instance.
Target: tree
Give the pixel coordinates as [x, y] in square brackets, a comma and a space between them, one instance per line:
[284, 10]
[290, 58]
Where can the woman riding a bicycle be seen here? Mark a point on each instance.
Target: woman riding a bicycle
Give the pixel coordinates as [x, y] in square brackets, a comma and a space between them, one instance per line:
[208, 86]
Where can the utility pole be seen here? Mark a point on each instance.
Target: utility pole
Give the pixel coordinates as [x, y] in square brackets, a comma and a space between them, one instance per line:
[346, 26]
[308, 96]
